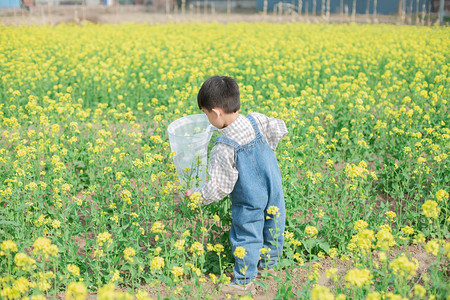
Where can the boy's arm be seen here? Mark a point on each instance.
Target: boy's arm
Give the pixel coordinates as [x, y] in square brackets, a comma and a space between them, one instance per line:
[222, 174]
[274, 130]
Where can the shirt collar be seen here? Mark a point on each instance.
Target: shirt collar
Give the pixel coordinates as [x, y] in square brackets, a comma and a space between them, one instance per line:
[233, 127]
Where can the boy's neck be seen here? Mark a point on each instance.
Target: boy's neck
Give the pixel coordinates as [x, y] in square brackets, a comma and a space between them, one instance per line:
[229, 118]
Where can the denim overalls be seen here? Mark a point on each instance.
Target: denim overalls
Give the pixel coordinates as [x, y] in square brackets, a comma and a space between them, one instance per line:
[258, 187]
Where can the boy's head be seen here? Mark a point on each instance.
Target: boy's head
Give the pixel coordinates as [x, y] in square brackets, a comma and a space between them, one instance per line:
[219, 92]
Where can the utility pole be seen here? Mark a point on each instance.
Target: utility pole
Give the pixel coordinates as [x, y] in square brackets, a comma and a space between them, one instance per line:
[354, 11]
[375, 11]
[328, 10]
[417, 12]
[441, 12]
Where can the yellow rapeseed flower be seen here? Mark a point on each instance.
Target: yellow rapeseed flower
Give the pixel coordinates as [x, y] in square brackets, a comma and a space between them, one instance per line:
[332, 252]
[104, 238]
[177, 271]
[23, 261]
[129, 253]
[240, 252]
[391, 215]
[408, 230]
[447, 250]
[76, 291]
[44, 246]
[431, 209]
[311, 231]
[7, 246]
[272, 210]
[116, 276]
[157, 263]
[142, 295]
[179, 244]
[385, 239]
[419, 291]
[73, 269]
[157, 227]
[403, 267]
[432, 247]
[373, 296]
[442, 195]
[197, 249]
[358, 277]
[320, 292]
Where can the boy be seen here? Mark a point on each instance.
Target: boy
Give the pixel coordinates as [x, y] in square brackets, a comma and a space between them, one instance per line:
[243, 164]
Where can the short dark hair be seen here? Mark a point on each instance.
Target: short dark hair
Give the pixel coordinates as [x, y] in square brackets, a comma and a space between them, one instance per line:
[221, 92]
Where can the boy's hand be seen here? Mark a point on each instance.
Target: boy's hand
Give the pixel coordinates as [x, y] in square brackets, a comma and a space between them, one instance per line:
[188, 193]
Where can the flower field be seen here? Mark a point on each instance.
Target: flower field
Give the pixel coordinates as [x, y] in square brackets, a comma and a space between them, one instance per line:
[90, 203]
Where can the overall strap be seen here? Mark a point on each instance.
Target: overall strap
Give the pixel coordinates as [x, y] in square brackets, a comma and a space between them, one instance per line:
[255, 126]
[227, 141]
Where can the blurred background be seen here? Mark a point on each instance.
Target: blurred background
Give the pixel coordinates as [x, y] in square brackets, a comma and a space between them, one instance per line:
[419, 12]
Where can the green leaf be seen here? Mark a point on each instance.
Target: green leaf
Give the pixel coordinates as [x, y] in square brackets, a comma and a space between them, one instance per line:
[4, 222]
[324, 246]
[284, 263]
[309, 244]
[261, 284]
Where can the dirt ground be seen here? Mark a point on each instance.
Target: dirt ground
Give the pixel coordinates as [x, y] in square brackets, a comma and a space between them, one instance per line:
[299, 275]
[54, 15]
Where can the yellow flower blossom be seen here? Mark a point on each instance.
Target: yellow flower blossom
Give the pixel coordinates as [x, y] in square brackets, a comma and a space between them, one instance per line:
[403, 267]
[319, 292]
[45, 247]
[76, 291]
[73, 269]
[391, 215]
[179, 244]
[157, 263]
[432, 247]
[104, 238]
[385, 239]
[442, 195]
[157, 227]
[408, 230]
[197, 249]
[7, 246]
[129, 253]
[177, 271]
[431, 209]
[23, 261]
[373, 296]
[358, 277]
[240, 252]
[311, 231]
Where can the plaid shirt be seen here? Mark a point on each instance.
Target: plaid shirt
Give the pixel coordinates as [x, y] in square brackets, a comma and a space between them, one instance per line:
[222, 170]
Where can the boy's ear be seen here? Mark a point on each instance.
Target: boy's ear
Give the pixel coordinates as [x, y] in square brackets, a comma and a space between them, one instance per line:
[217, 111]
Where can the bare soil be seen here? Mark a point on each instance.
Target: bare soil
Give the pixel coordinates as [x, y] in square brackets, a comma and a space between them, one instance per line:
[299, 277]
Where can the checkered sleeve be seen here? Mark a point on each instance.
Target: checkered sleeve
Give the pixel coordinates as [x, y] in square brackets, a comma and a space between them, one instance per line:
[222, 174]
[273, 129]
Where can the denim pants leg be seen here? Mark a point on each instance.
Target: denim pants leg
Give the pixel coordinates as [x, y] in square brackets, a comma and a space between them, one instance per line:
[258, 187]
[245, 232]
[273, 234]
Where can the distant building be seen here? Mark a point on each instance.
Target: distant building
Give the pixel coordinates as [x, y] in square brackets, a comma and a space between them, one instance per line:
[385, 7]
[436, 5]
[9, 3]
